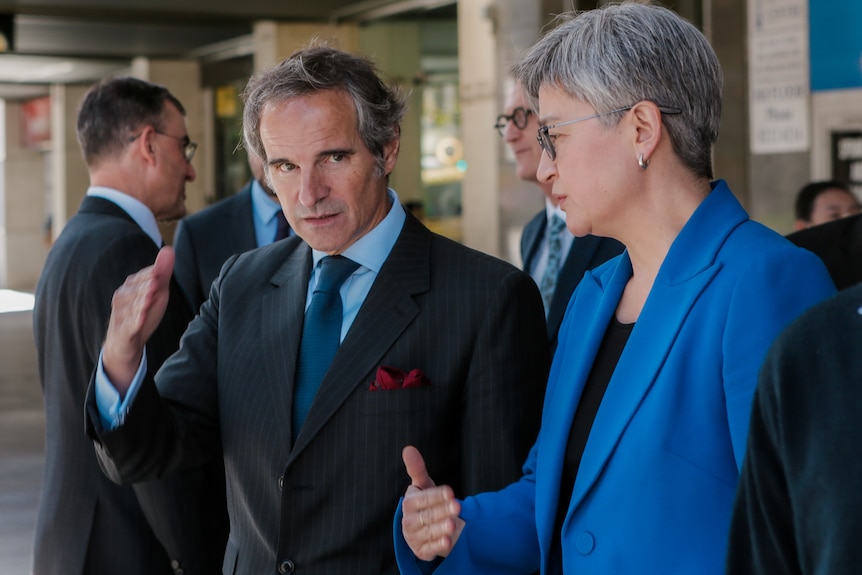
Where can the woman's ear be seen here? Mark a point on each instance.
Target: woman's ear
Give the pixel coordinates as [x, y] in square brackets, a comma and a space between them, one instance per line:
[648, 130]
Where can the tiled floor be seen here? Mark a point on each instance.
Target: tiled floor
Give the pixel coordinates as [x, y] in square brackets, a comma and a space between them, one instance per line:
[21, 442]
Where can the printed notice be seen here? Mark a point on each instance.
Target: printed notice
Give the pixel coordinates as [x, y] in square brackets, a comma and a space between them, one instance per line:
[778, 75]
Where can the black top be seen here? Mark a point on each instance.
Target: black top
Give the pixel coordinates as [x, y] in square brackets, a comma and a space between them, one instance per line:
[604, 365]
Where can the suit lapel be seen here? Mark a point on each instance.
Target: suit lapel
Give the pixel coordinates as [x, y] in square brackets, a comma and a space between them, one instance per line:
[577, 263]
[282, 312]
[532, 239]
[385, 314]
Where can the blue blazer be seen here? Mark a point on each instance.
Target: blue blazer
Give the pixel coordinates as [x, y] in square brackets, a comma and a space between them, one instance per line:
[656, 483]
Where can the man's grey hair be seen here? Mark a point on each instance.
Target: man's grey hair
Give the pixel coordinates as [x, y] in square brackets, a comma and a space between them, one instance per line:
[615, 56]
[379, 107]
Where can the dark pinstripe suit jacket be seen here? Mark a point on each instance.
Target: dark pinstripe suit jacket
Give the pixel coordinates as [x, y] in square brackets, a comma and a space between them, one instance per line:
[585, 254]
[322, 502]
[87, 524]
[205, 240]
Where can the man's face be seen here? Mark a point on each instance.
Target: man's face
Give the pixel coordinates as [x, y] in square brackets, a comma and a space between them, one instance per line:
[167, 195]
[522, 142]
[325, 178]
[832, 204]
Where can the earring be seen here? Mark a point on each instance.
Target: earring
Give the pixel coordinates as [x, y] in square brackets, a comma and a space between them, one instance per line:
[643, 163]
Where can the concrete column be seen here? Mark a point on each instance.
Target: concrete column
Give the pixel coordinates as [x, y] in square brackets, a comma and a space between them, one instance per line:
[395, 48]
[22, 205]
[274, 41]
[518, 24]
[731, 156]
[480, 104]
[183, 79]
[69, 175]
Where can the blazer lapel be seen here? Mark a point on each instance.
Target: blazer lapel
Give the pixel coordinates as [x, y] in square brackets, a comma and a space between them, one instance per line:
[687, 270]
[573, 360]
[638, 367]
[385, 314]
[282, 313]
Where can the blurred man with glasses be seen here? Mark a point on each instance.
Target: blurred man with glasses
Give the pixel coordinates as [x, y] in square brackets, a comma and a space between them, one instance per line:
[138, 153]
[552, 256]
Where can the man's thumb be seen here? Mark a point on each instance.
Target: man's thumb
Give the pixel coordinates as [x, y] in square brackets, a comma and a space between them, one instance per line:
[164, 265]
[415, 465]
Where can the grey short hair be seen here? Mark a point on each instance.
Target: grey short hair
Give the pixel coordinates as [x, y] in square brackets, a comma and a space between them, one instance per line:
[618, 55]
[379, 107]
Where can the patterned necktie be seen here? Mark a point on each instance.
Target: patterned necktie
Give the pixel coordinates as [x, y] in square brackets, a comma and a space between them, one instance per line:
[555, 249]
[283, 229]
[321, 334]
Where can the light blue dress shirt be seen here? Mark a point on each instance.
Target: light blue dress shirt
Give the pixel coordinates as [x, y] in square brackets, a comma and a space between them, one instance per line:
[264, 210]
[370, 252]
[132, 206]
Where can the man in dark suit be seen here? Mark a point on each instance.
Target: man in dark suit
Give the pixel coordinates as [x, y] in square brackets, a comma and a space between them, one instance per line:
[134, 140]
[249, 219]
[440, 345]
[554, 258]
[798, 505]
[839, 245]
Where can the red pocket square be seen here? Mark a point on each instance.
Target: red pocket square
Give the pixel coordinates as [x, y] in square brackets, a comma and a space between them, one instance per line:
[393, 378]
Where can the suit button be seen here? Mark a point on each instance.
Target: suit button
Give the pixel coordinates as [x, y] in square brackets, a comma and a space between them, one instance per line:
[585, 543]
[281, 483]
[175, 565]
[286, 567]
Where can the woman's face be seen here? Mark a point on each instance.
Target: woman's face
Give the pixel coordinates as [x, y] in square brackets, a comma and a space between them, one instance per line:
[587, 176]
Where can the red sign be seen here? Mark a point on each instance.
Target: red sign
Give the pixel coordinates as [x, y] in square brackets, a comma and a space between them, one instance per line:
[36, 123]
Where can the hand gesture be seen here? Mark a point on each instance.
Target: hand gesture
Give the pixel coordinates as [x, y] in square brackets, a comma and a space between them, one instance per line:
[430, 525]
[136, 311]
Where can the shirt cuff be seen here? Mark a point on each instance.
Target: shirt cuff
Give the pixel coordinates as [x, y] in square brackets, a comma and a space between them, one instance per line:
[113, 410]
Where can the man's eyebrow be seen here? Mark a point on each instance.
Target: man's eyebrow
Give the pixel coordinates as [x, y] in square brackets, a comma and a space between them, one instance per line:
[321, 154]
[341, 151]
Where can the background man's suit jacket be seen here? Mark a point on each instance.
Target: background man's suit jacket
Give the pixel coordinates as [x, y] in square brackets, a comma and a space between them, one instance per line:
[471, 323]
[839, 245]
[83, 516]
[585, 254]
[204, 241]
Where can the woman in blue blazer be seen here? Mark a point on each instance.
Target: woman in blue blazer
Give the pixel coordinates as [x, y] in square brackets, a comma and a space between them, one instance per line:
[648, 401]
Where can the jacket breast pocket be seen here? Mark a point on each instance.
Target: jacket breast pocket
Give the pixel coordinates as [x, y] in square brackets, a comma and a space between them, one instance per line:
[409, 400]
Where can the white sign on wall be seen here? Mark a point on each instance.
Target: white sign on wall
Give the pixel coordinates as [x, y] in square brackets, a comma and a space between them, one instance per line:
[778, 75]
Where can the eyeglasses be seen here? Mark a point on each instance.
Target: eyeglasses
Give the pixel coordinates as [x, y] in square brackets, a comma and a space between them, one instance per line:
[519, 117]
[189, 147]
[546, 139]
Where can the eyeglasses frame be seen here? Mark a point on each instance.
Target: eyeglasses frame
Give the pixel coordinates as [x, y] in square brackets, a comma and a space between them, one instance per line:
[547, 144]
[189, 147]
[504, 119]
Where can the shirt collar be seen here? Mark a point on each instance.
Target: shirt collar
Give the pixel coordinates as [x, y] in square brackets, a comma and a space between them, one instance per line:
[262, 204]
[136, 209]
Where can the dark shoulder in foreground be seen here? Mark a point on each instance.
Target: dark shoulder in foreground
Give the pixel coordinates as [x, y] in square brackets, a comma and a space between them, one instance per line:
[839, 245]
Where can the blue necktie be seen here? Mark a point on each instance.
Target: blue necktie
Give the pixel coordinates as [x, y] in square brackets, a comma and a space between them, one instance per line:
[283, 229]
[321, 334]
[555, 252]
